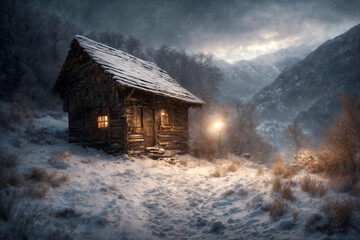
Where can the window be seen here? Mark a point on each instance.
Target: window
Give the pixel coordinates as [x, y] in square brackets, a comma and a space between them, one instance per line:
[165, 121]
[103, 121]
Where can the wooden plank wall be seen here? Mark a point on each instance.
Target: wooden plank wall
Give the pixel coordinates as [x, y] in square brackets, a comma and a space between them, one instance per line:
[172, 137]
[86, 90]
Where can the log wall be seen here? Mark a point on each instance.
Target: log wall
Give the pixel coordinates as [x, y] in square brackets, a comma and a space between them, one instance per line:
[171, 137]
[88, 92]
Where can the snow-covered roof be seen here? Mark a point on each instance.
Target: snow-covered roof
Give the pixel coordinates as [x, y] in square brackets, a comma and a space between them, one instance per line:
[130, 71]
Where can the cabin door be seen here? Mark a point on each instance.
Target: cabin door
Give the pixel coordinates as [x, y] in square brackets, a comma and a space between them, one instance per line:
[149, 127]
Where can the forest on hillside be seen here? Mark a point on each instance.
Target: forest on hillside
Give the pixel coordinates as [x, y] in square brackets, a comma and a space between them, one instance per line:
[35, 44]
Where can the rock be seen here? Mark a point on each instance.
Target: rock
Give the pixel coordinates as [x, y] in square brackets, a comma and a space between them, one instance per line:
[217, 227]
[229, 193]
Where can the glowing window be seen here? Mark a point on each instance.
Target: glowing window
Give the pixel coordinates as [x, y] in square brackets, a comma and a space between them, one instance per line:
[103, 121]
[165, 121]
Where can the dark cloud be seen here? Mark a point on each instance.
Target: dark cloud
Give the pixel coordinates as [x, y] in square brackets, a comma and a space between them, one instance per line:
[232, 30]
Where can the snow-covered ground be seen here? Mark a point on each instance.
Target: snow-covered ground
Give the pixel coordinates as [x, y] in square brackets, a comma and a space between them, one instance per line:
[125, 197]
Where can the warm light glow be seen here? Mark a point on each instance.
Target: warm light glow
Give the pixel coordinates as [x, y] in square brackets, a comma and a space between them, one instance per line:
[162, 113]
[218, 125]
[103, 121]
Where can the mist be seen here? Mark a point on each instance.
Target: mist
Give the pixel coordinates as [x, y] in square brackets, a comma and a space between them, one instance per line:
[231, 30]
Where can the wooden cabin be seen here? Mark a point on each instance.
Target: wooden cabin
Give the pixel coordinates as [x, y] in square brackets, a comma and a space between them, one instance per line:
[120, 103]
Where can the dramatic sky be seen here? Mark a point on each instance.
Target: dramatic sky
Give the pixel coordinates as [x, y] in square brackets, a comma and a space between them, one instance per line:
[231, 30]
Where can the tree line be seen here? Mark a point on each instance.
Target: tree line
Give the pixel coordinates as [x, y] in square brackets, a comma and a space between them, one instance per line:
[34, 45]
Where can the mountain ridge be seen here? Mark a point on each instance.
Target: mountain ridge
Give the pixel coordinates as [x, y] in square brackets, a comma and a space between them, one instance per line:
[307, 91]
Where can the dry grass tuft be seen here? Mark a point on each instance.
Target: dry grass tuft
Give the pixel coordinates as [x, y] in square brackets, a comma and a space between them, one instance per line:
[233, 167]
[260, 171]
[294, 215]
[26, 216]
[59, 180]
[8, 204]
[217, 172]
[183, 162]
[276, 184]
[277, 207]
[11, 177]
[339, 212]
[9, 161]
[313, 186]
[67, 213]
[38, 190]
[281, 168]
[286, 192]
[42, 175]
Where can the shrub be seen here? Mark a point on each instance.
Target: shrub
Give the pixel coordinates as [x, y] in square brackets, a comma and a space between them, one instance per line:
[237, 136]
[339, 212]
[340, 148]
[277, 207]
[313, 186]
[276, 184]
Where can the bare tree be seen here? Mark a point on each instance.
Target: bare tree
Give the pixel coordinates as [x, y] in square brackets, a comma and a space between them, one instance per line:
[242, 135]
[133, 46]
[296, 136]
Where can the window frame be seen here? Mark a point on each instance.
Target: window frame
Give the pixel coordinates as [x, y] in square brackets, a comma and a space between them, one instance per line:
[165, 116]
[104, 121]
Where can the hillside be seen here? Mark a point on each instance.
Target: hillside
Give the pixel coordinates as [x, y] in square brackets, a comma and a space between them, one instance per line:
[307, 91]
[58, 190]
[242, 79]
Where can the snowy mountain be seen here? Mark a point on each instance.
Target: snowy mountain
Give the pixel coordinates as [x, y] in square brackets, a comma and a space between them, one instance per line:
[307, 91]
[244, 78]
[285, 57]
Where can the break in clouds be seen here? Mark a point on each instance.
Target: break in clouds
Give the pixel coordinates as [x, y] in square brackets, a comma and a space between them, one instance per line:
[231, 30]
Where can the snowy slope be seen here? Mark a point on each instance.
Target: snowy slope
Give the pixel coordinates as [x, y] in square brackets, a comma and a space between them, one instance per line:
[307, 90]
[138, 198]
[244, 78]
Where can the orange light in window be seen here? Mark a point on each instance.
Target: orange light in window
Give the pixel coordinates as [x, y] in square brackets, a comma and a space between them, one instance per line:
[103, 121]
